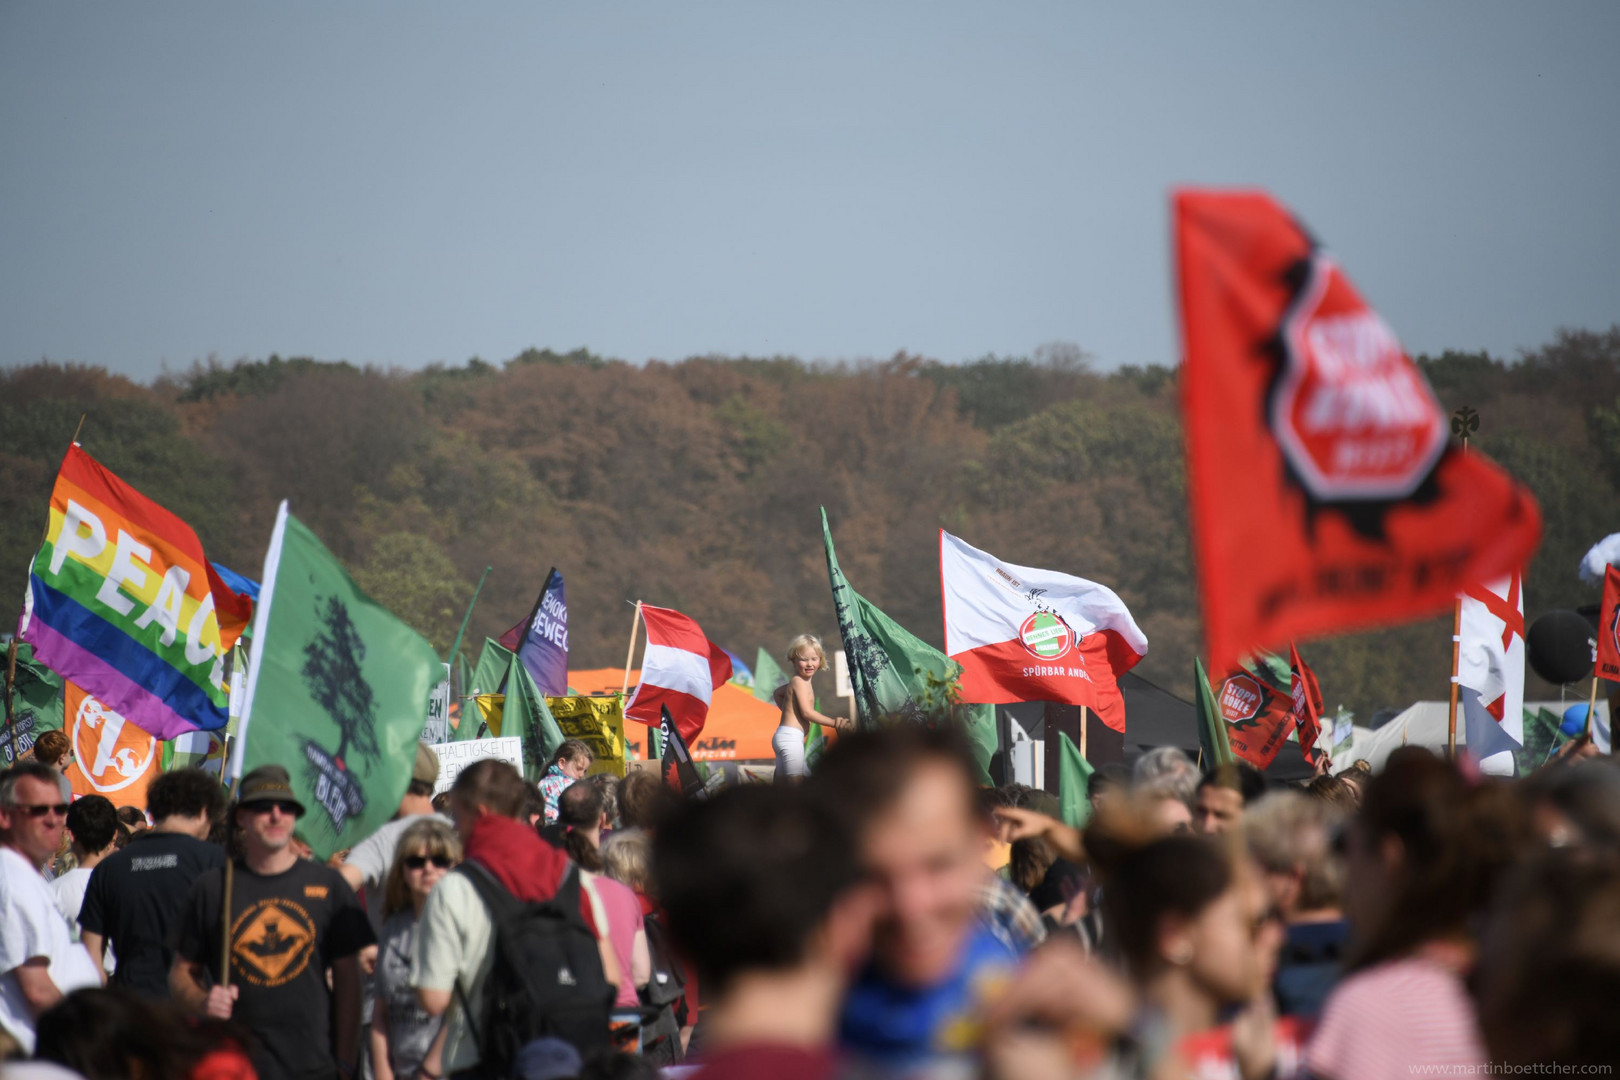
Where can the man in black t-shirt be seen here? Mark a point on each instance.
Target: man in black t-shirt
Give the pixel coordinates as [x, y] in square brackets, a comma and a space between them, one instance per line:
[291, 921]
[135, 894]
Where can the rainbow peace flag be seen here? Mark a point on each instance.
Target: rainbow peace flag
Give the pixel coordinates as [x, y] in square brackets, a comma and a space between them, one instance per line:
[122, 601]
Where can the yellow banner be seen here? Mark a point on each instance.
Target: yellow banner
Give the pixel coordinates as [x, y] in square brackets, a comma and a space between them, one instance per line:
[490, 708]
[598, 722]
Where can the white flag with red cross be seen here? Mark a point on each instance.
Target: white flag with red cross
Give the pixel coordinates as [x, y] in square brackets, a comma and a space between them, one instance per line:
[1490, 671]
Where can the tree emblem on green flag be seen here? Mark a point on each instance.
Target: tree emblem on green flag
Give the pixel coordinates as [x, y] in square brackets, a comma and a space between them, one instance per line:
[335, 676]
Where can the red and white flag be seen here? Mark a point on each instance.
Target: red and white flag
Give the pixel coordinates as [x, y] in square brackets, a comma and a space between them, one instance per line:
[679, 671]
[1608, 649]
[1490, 672]
[1305, 704]
[1023, 634]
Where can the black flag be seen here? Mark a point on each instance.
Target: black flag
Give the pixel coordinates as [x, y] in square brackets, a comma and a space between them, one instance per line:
[679, 772]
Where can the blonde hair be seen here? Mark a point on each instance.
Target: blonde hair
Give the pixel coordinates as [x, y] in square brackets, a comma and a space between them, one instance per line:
[804, 641]
[625, 858]
[427, 837]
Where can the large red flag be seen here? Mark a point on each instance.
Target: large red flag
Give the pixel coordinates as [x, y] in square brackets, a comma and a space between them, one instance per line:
[1306, 704]
[1325, 495]
[679, 672]
[1608, 650]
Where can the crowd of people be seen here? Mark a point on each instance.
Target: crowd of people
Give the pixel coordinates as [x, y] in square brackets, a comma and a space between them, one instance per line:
[885, 916]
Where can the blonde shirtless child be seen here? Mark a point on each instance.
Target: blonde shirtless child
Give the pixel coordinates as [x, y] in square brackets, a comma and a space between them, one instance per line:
[797, 699]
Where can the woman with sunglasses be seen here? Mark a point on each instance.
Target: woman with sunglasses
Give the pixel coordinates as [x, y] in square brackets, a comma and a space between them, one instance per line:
[404, 1038]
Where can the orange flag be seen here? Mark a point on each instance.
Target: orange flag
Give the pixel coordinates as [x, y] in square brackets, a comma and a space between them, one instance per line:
[111, 756]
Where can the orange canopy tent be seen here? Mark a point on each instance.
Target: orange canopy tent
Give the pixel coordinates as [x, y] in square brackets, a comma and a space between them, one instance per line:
[739, 727]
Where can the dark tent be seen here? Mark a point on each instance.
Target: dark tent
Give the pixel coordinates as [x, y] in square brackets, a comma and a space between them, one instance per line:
[1153, 717]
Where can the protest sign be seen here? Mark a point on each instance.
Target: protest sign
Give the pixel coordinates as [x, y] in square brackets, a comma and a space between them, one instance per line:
[598, 722]
[437, 728]
[455, 756]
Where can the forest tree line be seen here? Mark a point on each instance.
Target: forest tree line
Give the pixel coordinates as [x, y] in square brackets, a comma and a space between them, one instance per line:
[696, 484]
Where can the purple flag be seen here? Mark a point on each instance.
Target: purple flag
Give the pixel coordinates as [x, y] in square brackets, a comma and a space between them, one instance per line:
[542, 642]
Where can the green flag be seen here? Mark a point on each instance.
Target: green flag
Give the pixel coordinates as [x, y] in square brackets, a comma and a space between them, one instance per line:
[527, 716]
[36, 704]
[489, 677]
[768, 676]
[1074, 783]
[897, 675]
[337, 692]
[1211, 726]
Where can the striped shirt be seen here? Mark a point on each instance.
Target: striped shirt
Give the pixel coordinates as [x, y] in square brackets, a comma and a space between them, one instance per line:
[1395, 1020]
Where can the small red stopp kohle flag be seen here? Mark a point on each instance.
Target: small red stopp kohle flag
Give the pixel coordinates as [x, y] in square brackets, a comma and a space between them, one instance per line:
[1257, 712]
[1306, 704]
[679, 671]
[1608, 650]
[1325, 494]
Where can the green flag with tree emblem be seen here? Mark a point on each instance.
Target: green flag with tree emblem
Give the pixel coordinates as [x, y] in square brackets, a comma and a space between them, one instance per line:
[897, 675]
[337, 692]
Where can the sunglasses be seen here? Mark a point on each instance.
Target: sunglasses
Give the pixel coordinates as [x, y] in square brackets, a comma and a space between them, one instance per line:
[417, 862]
[39, 810]
[287, 809]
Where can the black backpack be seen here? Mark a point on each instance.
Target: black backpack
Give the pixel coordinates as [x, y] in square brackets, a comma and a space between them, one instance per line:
[546, 979]
[668, 982]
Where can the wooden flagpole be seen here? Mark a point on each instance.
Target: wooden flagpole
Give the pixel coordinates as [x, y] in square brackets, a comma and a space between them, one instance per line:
[630, 653]
[11, 680]
[1084, 717]
[629, 657]
[225, 927]
[1591, 710]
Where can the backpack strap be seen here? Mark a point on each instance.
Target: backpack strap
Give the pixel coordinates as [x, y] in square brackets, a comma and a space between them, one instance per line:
[495, 896]
[566, 898]
[498, 901]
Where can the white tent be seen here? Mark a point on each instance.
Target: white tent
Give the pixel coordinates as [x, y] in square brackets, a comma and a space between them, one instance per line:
[1424, 724]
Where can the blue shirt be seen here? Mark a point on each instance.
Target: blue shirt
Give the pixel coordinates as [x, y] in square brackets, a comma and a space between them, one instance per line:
[1309, 965]
[901, 1028]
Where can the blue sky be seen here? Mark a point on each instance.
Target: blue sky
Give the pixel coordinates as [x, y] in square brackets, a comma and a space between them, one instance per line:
[402, 183]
